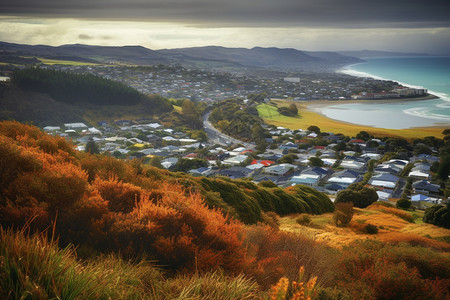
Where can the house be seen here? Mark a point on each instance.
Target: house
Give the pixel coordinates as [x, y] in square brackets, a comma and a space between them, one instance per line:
[333, 188]
[51, 128]
[288, 146]
[203, 171]
[419, 174]
[384, 195]
[75, 126]
[387, 168]
[306, 179]
[352, 164]
[345, 178]
[235, 160]
[384, 181]
[151, 138]
[316, 171]
[279, 170]
[266, 163]
[425, 187]
[236, 172]
[256, 166]
[169, 162]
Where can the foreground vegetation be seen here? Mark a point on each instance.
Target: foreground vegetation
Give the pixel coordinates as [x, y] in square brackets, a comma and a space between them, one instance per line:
[141, 232]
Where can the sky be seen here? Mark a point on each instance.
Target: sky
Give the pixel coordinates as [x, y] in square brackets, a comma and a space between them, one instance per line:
[314, 25]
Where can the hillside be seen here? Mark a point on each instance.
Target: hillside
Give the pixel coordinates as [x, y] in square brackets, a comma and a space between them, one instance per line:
[53, 97]
[141, 232]
[204, 57]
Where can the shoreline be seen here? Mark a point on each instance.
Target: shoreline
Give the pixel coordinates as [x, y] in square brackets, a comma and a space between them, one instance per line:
[318, 105]
[309, 117]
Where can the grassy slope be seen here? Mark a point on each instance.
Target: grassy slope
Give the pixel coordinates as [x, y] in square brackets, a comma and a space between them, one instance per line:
[394, 229]
[48, 61]
[307, 118]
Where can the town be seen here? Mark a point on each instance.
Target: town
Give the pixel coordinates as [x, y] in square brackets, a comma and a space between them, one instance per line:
[327, 162]
[204, 85]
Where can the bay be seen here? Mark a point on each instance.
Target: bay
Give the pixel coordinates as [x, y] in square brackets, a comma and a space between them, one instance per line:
[430, 72]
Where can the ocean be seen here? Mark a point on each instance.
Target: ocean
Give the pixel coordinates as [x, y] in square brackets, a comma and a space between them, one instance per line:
[430, 72]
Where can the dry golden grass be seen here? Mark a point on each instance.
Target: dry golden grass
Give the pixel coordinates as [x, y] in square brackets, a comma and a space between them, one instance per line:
[392, 229]
[308, 117]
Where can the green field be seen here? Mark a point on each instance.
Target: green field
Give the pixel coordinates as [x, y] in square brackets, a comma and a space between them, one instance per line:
[307, 118]
[47, 61]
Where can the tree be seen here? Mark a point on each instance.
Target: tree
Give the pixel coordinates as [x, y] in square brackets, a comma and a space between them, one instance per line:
[314, 128]
[403, 203]
[343, 214]
[438, 215]
[360, 197]
[155, 161]
[293, 110]
[363, 135]
[288, 158]
[91, 147]
[315, 162]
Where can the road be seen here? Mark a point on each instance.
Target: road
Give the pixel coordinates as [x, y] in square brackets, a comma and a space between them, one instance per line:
[217, 137]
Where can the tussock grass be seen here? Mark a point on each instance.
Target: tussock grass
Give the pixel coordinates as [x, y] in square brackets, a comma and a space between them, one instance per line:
[33, 267]
[213, 285]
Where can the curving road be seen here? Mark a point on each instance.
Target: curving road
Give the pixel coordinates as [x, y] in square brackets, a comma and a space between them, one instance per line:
[217, 137]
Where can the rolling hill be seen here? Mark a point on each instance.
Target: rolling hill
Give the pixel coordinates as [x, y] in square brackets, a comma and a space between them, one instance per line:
[205, 57]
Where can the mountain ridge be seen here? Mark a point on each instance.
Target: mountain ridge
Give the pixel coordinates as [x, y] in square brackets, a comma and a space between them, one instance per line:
[271, 58]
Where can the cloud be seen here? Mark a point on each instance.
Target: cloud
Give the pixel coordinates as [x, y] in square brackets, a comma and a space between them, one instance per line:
[83, 36]
[246, 13]
[172, 35]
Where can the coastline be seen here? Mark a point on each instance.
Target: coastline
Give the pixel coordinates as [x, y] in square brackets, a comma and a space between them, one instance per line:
[318, 105]
[309, 116]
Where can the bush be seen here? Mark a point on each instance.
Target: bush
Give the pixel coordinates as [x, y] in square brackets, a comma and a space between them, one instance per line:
[343, 214]
[304, 219]
[360, 197]
[403, 203]
[438, 215]
[371, 229]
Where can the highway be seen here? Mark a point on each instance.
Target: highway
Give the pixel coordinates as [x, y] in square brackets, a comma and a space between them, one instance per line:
[217, 137]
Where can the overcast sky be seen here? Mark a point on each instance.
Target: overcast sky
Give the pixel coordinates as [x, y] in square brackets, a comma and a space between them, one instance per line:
[392, 25]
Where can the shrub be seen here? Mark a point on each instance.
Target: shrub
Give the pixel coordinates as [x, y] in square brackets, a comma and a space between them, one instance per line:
[438, 215]
[371, 229]
[360, 197]
[403, 203]
[343, 214]
[304, 219]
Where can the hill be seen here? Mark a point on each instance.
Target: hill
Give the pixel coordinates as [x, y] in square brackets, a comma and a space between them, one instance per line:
[54, 97]
[204, 57]
[203, 236]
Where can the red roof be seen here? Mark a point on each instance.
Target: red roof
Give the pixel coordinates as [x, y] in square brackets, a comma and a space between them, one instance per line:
[320, 147]
[264, 162]
[245, 151]
[359, 141]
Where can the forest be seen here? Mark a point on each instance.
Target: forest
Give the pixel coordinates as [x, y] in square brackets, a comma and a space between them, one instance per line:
[77, 225]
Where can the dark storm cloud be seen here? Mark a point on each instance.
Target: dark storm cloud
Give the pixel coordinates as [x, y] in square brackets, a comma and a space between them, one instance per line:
[317, 13]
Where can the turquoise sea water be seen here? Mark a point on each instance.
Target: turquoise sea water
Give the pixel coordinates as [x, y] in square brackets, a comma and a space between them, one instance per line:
[430, 72]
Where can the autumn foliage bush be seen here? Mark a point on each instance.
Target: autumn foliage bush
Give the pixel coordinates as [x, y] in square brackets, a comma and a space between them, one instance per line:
[374, 270]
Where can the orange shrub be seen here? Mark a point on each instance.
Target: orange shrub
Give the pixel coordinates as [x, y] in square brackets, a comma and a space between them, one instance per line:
[121, 197]
[280, 254]
[181, 233]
